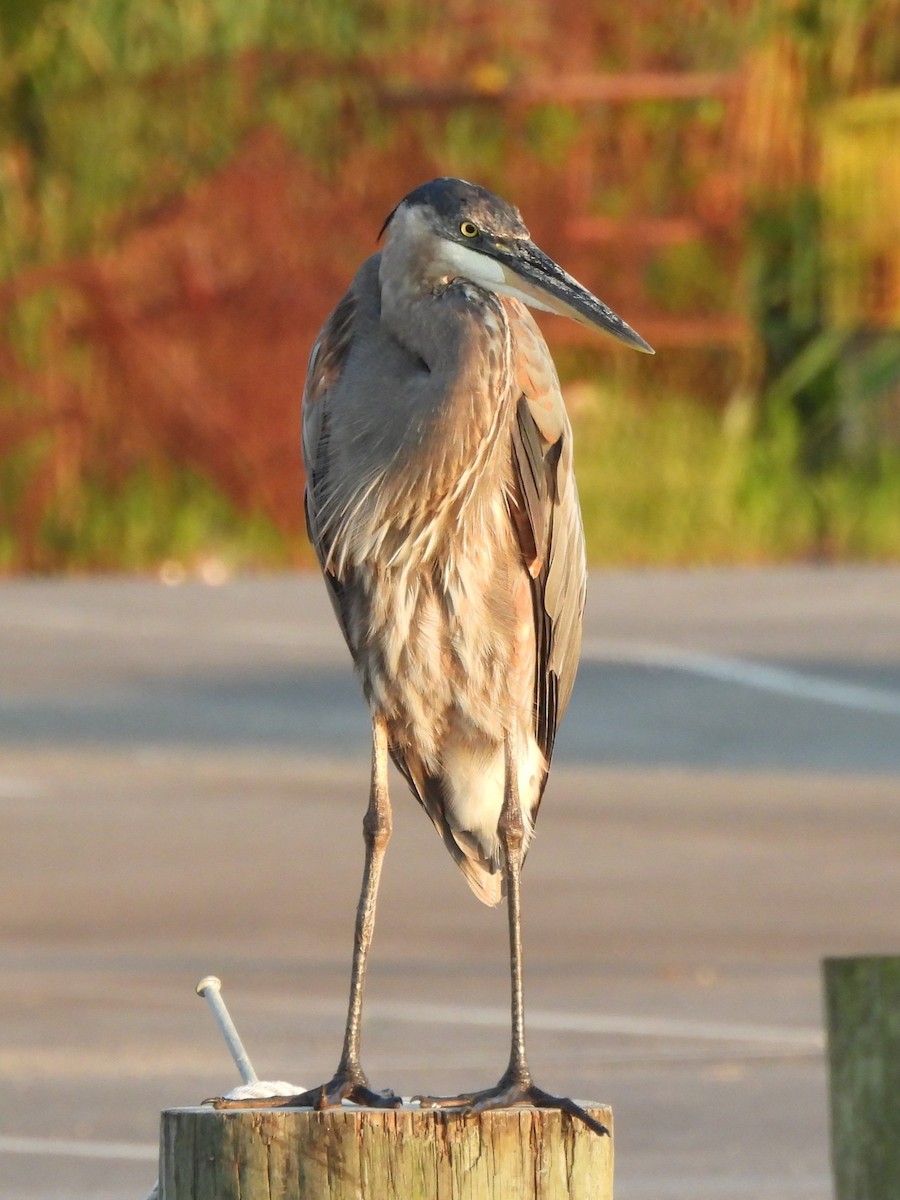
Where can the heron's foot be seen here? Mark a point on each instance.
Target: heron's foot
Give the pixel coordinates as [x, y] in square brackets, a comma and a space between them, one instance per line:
[508, 1093]
[346, 1085]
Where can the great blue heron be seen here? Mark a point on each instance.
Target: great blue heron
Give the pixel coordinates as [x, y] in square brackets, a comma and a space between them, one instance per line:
[441, 502]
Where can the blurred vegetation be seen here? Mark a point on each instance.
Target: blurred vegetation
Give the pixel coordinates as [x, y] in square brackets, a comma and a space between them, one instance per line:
[186, 186]
[681, 484]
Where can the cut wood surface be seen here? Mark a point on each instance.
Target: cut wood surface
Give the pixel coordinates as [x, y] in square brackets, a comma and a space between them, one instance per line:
[379, 1154]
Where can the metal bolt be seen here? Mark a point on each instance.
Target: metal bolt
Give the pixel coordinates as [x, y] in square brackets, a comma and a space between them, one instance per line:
[211, 988]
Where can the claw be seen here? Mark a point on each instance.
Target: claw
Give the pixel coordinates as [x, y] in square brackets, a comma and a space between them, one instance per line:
[511, 1095]
[327, 1095]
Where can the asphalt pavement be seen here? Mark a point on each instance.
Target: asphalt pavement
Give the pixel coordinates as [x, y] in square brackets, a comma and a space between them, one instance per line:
[183, 772]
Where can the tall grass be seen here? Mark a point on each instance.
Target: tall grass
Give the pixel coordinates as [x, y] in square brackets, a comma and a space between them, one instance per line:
[668, 484]
[676, 483]
[154, 519]
[113, 115]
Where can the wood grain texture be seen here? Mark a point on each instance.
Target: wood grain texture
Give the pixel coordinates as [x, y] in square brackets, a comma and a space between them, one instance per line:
[371, 1154]
[862, 1000]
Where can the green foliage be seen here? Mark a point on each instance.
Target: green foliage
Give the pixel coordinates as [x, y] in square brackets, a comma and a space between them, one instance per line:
[673, 483]
[551, 131]
[153, 517]
[676, 483]
[823, 242]
[687, 278]
[109, 109]
[122, 106]
[474, 140]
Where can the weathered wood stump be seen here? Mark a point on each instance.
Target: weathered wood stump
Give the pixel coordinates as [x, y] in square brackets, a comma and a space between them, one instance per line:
[383, 1154]
[862, 1002]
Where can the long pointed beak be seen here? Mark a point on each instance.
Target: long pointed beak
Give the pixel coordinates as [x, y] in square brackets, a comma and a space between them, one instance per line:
[534, 278]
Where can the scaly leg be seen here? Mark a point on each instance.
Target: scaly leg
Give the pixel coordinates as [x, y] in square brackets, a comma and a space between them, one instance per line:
[515, 1085]
[350, 1082]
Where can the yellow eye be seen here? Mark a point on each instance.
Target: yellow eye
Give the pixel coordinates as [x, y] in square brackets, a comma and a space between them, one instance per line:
[467, 229]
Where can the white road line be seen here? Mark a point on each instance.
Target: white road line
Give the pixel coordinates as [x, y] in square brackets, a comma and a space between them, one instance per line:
[628, 1026]
[61, 1147]
[781, 680]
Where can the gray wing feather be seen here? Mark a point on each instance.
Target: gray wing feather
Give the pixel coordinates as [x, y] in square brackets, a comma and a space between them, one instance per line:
[547, 519]
[326, 364]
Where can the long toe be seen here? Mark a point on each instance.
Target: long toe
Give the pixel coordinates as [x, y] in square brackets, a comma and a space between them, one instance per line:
[510, 1095]
[369, 1099]
[466, 1100]
[308, 1099]
[327, 1095]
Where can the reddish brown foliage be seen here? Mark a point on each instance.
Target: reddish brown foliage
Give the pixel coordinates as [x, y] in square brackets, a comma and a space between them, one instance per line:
[187, 343]
[198, 325]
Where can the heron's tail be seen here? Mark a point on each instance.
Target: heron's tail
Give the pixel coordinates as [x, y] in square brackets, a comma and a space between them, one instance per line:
[483, 872]
[464, 803]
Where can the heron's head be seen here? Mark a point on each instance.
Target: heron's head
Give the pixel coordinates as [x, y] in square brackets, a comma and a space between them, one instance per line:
[449, 228]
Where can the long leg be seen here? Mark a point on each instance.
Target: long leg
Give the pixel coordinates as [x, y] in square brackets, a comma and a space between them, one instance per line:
[515, 1085]
[350, 1082]
[512, 832]
[377, 833]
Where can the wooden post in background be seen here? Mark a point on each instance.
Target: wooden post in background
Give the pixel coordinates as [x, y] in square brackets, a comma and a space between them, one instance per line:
[862, 1002]
[383, 1154]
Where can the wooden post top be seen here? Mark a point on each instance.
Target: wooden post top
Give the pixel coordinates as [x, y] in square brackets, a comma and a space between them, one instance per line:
[408, 1153]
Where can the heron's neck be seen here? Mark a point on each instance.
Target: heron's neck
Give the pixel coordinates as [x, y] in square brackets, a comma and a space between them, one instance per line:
[408, 307]
[460, 335]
